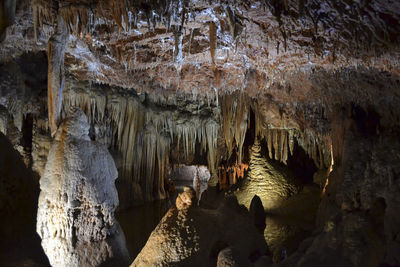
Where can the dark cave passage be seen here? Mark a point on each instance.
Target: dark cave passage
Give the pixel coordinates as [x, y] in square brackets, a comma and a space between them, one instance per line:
[19, 243]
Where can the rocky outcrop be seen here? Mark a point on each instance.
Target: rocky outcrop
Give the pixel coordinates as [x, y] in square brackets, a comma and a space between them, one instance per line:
[77, 201]
[192, 235]
[358, 217]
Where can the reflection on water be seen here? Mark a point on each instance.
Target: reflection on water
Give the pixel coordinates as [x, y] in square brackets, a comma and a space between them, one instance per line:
[138, 223]
[286, 226]
[292, 221]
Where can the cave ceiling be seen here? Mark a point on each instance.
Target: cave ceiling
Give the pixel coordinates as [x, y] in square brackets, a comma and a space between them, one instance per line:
[213, 47]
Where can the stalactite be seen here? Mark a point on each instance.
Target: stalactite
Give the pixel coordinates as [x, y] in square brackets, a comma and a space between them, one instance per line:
[235, 109]
[229, 175]
[144, 136]
[275, 141]
[284, 146]
[269, 144]
[55, 85]
[280, 143]
[178, 38]
[213, 40]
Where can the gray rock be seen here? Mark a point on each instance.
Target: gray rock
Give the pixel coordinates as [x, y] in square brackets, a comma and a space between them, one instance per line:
[78, 198]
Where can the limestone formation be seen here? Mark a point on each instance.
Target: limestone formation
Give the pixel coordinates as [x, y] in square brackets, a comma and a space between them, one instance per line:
[56, 83]
[77, 201]
[185, 199]
[226, 258]
[267, 180]
[192, 235]
[313, 84]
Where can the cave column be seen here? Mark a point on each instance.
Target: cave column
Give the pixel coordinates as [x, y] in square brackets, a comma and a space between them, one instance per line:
[55, 80]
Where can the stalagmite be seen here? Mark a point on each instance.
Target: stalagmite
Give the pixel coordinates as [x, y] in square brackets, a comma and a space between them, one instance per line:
[55, 84]
[78, 198]
[271, 183]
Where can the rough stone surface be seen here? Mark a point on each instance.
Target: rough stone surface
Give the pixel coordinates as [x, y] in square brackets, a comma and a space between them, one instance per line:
[195, 236]
[226, 258]
[303, 65]
[77, 201]
[357, 218]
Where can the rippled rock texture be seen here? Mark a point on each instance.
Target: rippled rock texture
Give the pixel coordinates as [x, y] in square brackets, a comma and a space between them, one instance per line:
[77, 201]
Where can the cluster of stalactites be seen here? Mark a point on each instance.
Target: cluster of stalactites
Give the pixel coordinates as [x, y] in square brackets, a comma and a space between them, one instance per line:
[280, 143]
[231, 174]
[144, 136]
[318, 147]
[80, 15]
[235, 114]
[43, 11]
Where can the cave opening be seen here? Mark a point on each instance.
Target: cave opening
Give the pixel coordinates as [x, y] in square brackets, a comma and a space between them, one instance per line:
[19, 241]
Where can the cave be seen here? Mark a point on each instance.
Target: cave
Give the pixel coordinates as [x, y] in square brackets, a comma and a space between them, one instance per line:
[199, 133]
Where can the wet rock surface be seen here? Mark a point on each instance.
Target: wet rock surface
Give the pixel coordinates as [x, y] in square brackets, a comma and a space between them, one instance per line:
[77, 201]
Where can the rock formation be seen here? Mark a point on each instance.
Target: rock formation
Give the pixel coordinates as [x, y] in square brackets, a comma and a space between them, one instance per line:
[270, 95]
[77, 201]
[358, 214]
[56, 50]
[191, 235]
[266, 179]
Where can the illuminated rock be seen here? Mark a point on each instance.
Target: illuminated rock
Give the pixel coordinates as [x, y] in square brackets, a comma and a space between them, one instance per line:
[191, 235]
[56, 50]
[77, 201]
[185, 199]
[226, 258]
[267, 180]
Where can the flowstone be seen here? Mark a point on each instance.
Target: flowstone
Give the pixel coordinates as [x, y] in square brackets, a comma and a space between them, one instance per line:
[77, 201]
